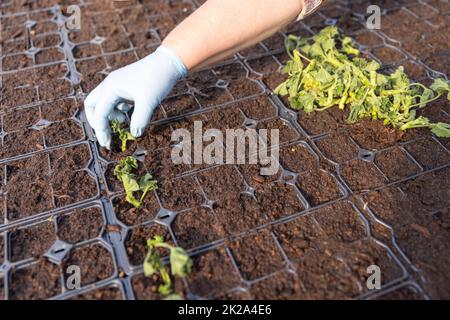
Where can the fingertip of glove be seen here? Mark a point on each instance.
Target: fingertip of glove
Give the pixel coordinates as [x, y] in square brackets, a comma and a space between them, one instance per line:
[136, 132]
[104, 140]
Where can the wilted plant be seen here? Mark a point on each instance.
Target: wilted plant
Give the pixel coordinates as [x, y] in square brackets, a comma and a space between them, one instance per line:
[124, 172]
[124, 134]
[326, 71]
[180, 265]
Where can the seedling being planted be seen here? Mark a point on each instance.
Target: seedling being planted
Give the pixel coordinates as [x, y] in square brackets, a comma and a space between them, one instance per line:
[326, 71]
[124, 134]
[124, 172]
[180, 265]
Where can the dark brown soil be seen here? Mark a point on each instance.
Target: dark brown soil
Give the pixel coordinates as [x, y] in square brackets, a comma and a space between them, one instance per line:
[341, 222]
[212, 274]
[419, 233]
[197, 227]
[213, 96]
[159, 164]
[95, 263]
[279, 200]
[395, 164]
[273, 80]
[59, 109]
[32, 141]
[116, 154]
[318, 186]
[264, 65]
[32, 242]
[41, 280]
[232, 71]
[338, 147]
[404, 293]
[20, 119]
[72, 132]
[221, 181]
[129, 215]
[14, 62]
[373, 135]
[156, 137]
[281, 286]
[136, 241]
[107, 293]
[179, 194]
[317, 123]
[49, 55]
[297, 236]
[257, 255]
[45, 41]
[2, 248]
[244, 87]
[238, 294]
[70, 158]
[54, 89]
[429, 153]
[28, 187]
[369, 39]
[146, 288]
[362, 175]
[178, 105]
[202, 79]
[254, 178]
[80, 225]
[317, 243]
[286, 132]
[239, 214]
[258, 108]
[73, 187]
[275, 42]
[297, 158]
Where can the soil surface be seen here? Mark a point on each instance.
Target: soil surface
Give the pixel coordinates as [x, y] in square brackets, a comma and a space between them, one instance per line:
[345, 197]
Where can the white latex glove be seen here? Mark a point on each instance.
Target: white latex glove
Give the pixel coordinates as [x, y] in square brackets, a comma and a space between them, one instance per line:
[146, 82]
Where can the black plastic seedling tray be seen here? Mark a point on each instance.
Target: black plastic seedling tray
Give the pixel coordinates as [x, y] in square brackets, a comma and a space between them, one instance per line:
[337, 205]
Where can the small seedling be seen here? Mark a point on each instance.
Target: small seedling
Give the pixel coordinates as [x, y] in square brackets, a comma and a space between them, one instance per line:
[180, 265]
[326, 71]
[124, 134]
[124, 172]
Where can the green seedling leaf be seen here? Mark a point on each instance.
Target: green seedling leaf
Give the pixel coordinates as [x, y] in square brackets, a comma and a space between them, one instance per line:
[440, 86]
[147, 184]
[152, 263]
[441, 129]
[124, 172]
[326, 71]
[180, 262]
[125, 167]
[124, 135]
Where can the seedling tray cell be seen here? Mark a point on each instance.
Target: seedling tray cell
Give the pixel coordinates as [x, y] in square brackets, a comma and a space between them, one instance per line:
[345, 196]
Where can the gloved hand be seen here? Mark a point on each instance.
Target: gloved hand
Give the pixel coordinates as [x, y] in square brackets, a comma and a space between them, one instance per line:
[146, 82]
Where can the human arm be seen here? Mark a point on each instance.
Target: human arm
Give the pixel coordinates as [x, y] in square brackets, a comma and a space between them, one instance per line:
[217, 29]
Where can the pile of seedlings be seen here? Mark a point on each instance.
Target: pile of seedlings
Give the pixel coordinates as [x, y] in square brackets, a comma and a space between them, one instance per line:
[326, 70]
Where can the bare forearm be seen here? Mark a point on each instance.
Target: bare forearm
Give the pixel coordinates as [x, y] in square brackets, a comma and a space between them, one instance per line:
[220, 28]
